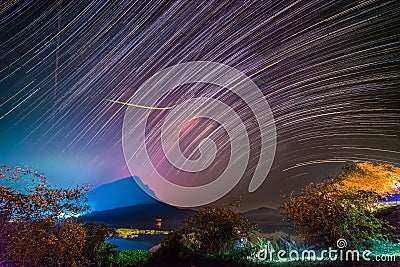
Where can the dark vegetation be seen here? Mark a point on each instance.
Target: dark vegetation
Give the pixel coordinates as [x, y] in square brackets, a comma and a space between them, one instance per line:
[37, 225]
[345, 206]
[213, 234]
[391, 215]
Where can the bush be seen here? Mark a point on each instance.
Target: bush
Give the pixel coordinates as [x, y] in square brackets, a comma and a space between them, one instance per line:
[36, 225]
[95, 248]
[125, 258]
[343, 206]
[391, 215]
[213, 232]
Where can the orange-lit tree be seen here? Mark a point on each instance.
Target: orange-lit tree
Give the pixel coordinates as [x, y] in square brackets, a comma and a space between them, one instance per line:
[380, 178]
[343, 206]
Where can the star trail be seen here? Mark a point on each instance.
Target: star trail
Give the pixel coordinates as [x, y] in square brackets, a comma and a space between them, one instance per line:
[329, 71]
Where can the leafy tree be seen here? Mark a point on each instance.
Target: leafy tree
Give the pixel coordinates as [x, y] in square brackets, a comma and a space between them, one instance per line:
[381, 178]
[391, 214]
[341, 207]
[28, 197]
[36, 225]
[210, 233]
[70, 241]
[27, 244]
[95, 248]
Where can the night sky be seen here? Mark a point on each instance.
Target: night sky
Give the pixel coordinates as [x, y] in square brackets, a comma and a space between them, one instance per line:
[329, 71]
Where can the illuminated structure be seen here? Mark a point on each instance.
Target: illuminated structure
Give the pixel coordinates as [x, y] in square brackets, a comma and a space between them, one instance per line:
[158, 222]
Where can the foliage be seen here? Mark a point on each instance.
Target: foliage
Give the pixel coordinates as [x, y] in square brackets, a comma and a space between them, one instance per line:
[212, 232]
[36, 225]
[35, 199]
[95, 248]
[380, 178]
[384, 247]
[67, 249]
[340, 207]
[391, 215]
[125, 258]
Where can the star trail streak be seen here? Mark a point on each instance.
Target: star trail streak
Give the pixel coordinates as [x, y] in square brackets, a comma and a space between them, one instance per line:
[328, 69]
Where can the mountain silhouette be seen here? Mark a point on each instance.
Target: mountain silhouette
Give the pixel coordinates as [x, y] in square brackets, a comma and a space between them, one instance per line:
[141, 216]
[268, 219]
[120, 193]
[144, 217]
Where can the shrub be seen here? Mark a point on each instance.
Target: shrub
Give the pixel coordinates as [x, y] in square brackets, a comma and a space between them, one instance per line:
[125, 258]
[36, 226]
[213, 232]
[343, 206]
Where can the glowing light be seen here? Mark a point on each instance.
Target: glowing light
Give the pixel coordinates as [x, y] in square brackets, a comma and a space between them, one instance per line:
[139, 106]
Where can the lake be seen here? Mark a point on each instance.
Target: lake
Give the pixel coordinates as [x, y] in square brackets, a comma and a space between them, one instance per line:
[144, 242]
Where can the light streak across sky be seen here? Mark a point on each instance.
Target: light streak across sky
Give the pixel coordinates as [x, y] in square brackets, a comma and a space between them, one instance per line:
[139, 106]
[328, 69]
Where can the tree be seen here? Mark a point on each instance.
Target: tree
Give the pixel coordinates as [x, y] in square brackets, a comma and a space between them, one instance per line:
[391, 214]
[210, 232]
[95, 248]
[37, 224]
[70, 241]
[343, 206]
[380, 178]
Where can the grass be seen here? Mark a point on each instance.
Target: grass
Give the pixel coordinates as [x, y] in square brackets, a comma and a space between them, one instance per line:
[125, 258]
